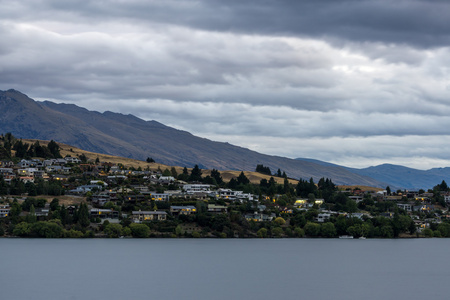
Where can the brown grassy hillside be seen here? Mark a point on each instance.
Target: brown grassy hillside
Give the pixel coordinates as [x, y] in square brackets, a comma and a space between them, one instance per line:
[128, 136]
[65, 150]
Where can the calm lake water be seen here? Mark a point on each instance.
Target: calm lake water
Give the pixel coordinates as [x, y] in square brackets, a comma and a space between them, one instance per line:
[224, 269]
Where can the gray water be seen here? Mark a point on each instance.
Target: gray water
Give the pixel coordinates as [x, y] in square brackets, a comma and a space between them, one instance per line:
[224, 269]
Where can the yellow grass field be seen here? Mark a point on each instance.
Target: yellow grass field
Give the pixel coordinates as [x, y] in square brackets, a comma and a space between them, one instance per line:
[65, 150]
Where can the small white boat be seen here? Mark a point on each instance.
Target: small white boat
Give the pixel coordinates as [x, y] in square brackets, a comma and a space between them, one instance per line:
[362, 238]
[346, 236]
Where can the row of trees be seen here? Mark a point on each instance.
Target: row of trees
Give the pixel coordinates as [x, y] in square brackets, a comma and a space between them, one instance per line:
[302, 224]
[24, 150]
[324, 189]
[266, 170]
[39, 187]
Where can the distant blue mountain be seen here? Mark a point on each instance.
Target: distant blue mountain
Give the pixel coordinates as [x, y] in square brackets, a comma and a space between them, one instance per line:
[398, 177]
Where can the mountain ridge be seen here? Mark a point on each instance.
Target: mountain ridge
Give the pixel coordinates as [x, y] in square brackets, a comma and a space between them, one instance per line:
[128, 136]
[399, 177]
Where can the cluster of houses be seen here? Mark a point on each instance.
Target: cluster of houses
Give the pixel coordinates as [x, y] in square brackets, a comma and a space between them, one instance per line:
[29, 170]
[99, 192]
[190, 192]
[414, 203]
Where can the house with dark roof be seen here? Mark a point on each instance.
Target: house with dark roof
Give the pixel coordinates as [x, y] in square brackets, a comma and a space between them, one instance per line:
[143, 216]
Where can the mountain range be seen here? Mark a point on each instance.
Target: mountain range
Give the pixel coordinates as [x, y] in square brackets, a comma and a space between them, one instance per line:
[398, 177]
[128, 136]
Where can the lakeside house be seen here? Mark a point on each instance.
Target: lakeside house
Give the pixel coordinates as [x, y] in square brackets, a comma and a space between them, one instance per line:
[142, 216]
[104, 213]
[177, 210]
[4, 210]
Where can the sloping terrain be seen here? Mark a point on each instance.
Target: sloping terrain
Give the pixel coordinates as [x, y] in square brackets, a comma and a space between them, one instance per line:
[398, 177]
[407, 178]
[128, 136]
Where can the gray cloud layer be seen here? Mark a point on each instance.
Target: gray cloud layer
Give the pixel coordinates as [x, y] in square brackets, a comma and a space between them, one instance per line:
[354, 82]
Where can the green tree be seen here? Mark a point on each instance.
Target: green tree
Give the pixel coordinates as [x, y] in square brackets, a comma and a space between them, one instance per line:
[22, 229]
[173, 172]
[31, 218]
[351, 206]
[83, 158]
[50, 229]
[242, 179]
[299, 232]
[312, 229]
[279, 173]
[232, 184]
[354, 230]
[83, 215]
[365, 229]
[30, 187]
[279, 221]
[277, 232]
[263, 170]
[73, 234]
[341, 225]
[54, 149]
[262, 233]
[444, 229]
[328, 230]
[196, 174]
[387, 231]
[286, 186]
[218, 222]
[412, 227]
[63, 215]
[54, 205]
[298, 220]
[388, 190]
[20, 148]
[3, 186]
[179, 230]
[340, 200]
[428, 232]
[15, 211]
[184, 175]
[216, 175]
[113, 230]
[443, 186]
[272, 187]
[139, 230]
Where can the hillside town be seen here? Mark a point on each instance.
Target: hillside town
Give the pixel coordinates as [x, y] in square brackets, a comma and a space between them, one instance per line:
[76, 197]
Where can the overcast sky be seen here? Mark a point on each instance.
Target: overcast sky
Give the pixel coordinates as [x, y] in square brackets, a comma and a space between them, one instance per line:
[358, 83]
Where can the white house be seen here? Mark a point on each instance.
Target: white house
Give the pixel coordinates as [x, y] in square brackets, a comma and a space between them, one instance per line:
[190, 188]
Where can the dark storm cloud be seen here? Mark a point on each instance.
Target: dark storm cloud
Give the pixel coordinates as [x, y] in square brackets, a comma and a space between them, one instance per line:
[362, 80]
[421, 23]
[415, 22]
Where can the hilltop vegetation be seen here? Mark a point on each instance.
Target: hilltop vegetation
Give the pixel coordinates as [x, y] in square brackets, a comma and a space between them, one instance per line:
[11, 147]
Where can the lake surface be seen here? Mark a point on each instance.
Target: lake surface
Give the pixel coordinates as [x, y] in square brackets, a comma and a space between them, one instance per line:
[224, 269]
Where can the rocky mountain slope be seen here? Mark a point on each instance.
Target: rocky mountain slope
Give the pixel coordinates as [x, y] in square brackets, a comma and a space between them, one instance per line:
[128, 136]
